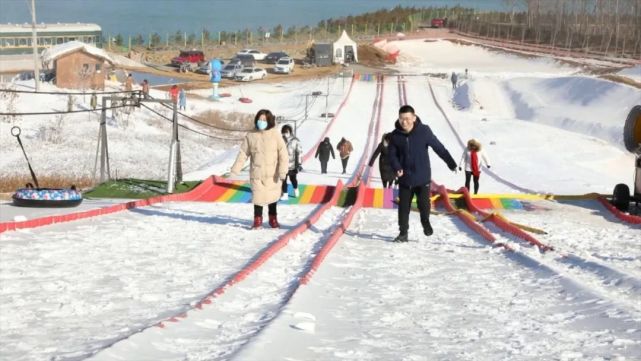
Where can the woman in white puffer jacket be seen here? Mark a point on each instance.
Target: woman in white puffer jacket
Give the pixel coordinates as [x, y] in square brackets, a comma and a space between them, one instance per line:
[474, 158]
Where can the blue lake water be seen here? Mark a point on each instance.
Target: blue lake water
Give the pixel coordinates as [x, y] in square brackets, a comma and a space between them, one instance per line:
[131, 17]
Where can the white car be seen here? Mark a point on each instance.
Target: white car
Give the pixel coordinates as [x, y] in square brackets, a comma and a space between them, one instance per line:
[249, 74]
[284, 66]
[253, 52]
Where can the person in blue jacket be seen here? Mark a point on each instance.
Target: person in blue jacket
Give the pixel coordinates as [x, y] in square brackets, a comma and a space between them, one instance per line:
[182, 99]
[408, 155]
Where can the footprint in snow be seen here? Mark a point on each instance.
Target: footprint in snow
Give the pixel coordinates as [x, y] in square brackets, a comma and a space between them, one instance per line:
[309, 327]
[309, 322]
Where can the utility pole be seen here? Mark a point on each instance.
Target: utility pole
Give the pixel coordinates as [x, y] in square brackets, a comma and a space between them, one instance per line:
[326, 97]
[103, 147]
[34, 43]
[174, 173]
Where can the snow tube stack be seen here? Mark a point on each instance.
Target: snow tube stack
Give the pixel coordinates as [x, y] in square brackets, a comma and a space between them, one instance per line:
[46, 197]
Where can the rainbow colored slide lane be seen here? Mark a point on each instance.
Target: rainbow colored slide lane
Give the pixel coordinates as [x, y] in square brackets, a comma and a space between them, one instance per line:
[240, 192]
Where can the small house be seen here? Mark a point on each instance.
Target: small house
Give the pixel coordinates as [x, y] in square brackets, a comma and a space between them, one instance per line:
[77, 65]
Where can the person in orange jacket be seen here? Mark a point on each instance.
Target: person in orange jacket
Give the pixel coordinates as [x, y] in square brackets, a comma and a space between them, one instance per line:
[344, 148]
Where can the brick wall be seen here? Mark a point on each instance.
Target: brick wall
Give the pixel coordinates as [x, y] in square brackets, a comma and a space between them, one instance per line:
[80, 70]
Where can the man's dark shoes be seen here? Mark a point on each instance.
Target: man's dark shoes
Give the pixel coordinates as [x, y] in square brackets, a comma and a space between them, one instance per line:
[401, 238]
[427, 229]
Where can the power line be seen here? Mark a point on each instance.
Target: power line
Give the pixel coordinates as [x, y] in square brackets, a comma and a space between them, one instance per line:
[187, 128]
[203, 123]
[115, 107]
[63, 112]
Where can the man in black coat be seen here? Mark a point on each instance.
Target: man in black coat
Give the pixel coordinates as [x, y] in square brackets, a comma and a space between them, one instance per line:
[322, 153]
[408, 153]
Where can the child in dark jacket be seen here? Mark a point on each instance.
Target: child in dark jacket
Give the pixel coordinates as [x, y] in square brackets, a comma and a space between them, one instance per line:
[387, 173]
[322, 153]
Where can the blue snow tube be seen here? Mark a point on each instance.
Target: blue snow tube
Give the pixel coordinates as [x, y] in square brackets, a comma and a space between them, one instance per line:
[47, 197]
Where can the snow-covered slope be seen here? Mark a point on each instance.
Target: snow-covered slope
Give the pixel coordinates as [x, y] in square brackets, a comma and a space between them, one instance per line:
[633, 73]
[68, 291]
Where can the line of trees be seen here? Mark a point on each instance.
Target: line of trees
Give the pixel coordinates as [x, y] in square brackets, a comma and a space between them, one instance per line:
[380, 22]
[611, 27]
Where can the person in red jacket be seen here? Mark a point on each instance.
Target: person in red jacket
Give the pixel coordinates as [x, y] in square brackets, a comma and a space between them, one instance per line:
[173, 92]
[473, 158]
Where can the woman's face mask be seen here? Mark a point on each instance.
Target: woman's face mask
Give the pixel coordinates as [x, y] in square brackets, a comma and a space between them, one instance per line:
[287, 135]
[261, 124]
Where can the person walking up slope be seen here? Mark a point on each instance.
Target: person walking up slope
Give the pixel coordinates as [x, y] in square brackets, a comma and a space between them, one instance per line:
[267, 153]
[344, 148]
[145, 89]
[129, 83]
[454, 79]
[173, 93]
[409, 157]
[182, 99]
[294, 151]
[322, 153]
[473, 158]
[387, 173]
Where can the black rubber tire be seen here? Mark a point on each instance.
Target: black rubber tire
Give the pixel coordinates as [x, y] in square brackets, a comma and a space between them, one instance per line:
[632, 129]
[621, 197]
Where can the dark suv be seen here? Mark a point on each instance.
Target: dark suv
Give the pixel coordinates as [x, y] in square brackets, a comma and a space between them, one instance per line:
[272, 58]
[245, 60]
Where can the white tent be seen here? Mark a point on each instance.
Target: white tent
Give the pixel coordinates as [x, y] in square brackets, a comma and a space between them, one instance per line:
[345, 46]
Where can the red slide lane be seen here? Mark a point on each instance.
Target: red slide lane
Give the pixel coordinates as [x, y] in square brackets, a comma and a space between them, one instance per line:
[265, 255]
[312, 151]
[478, 228]
[628, 218]
[192, 195]
[333, 239]
[504, 225]
[372, 143]
[375, 122]
[283, 241]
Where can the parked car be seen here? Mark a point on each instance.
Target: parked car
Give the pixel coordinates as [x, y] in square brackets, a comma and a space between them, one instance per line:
[45, 75]
[245, 60]
[438, 23]
[253, 52]
[204, 68]
[48, 75]
[273, 57]
[188, 59]
[284, 66]
[249, 74]
[230, 70]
